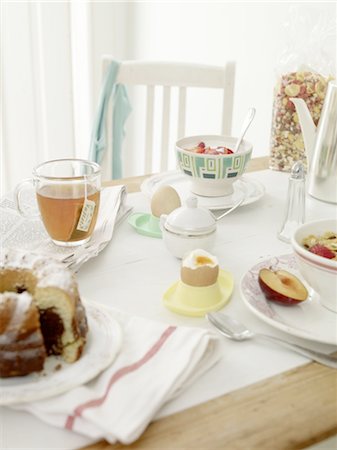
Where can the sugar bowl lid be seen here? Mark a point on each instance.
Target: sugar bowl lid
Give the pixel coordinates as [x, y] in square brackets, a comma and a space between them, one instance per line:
[190, 219]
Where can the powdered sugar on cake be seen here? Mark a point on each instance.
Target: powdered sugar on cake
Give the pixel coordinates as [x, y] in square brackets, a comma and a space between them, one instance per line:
[48, 272]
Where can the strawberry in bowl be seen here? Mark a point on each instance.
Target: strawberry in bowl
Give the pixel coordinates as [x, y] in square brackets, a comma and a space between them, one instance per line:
[208, 150]
[211, 164]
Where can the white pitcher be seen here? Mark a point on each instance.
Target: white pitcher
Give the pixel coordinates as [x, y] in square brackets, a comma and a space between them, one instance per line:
[321, 145]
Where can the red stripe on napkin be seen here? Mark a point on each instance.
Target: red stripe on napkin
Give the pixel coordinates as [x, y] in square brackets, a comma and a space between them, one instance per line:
[94, 403]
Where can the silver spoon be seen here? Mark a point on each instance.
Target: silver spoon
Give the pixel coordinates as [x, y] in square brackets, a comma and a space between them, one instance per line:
[235, 330]
[248, 120]
[233, 208]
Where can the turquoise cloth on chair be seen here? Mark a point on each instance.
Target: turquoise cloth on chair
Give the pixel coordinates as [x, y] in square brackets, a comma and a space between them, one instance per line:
[121, 110]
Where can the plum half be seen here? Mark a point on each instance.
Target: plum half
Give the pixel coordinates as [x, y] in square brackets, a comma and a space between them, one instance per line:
[282, 287]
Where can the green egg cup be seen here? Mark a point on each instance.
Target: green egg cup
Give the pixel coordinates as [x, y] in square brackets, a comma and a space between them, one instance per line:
[145, 224]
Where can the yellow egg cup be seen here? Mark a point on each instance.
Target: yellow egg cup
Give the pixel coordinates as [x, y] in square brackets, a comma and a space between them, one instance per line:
[197, 301]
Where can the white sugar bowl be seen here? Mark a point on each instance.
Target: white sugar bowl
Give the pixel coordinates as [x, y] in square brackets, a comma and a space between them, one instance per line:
[187, 228]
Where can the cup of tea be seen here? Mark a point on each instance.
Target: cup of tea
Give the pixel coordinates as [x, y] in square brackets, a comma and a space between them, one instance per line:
[68, 195]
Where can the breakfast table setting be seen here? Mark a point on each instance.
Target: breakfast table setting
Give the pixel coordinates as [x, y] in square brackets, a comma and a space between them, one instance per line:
[245, 394]
[209, 293]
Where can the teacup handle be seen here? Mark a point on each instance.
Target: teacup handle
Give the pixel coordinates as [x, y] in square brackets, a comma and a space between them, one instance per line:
[17, 195]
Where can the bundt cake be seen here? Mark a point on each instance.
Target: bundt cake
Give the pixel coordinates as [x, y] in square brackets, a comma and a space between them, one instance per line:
[40, 302]
[22, 349]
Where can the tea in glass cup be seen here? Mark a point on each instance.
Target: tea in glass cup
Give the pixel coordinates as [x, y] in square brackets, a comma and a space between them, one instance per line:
[68, 197]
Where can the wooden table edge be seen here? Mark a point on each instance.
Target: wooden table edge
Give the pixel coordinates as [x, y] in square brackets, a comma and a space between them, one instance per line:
[291, 410]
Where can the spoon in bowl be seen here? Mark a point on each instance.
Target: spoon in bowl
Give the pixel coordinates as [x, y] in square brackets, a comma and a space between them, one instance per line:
[235, 330]
[246, 124]
[233, 208]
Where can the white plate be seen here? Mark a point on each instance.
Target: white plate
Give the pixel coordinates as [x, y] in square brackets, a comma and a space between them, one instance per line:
[252, 189]
[308, 320]
[103, 344]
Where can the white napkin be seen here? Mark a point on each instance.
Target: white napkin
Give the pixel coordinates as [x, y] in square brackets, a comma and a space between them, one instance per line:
[156, 362]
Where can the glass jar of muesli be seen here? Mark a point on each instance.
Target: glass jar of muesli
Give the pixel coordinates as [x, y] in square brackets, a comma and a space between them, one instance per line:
[287, 144]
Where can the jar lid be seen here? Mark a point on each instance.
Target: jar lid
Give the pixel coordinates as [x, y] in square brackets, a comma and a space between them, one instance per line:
[190, 219]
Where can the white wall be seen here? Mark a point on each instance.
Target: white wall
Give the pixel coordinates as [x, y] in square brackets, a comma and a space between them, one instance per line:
[254, 34]
[51, 67]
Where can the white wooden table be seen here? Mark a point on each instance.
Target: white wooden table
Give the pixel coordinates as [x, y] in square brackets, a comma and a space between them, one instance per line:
[259, 396]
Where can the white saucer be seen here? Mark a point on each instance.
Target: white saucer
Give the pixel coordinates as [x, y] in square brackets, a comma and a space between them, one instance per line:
[308, 320]
[102, 347]
[247, 187]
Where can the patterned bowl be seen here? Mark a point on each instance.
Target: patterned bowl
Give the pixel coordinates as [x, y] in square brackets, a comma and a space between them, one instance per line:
[212, 175]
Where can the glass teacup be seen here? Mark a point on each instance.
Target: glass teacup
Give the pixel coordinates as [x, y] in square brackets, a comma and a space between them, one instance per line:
[68, 197]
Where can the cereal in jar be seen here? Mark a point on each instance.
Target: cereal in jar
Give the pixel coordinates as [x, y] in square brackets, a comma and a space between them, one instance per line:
[287, 144]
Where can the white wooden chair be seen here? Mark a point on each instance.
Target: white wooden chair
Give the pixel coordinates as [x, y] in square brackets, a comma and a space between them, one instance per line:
[161, 79]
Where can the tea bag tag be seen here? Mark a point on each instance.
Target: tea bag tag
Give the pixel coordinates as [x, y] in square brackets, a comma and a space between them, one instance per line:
[86, 215]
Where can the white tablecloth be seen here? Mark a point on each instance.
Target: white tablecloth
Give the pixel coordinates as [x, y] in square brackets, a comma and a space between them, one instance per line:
[134, 271]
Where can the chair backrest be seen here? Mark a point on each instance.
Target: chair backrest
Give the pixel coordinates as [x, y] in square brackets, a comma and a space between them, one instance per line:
[168, 76]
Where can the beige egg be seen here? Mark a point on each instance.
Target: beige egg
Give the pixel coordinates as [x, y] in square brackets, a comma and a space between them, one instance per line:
[199, 269]
[164, 200]
[200, 277]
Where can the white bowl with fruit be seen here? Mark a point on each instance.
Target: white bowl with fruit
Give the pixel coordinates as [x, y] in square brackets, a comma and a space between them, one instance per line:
[211, 164]
[315, 248]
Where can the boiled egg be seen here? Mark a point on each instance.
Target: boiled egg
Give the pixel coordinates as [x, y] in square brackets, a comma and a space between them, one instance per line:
[199, 268]
[164, 200]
